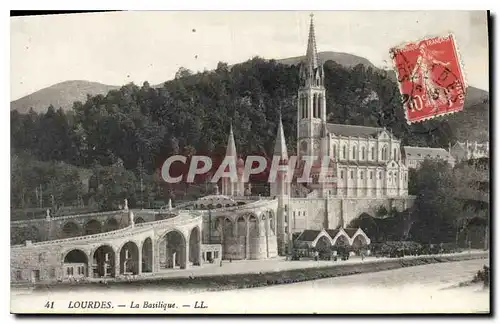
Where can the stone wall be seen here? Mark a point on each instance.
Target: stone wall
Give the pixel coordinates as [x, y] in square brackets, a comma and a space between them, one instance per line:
[309, 213]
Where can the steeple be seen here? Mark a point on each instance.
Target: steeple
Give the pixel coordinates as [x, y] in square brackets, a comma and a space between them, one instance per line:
[280, 144]
[231, 146]
[312, 53]
[311, 71]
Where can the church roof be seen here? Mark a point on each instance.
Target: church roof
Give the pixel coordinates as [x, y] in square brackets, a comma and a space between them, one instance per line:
[350, 231]
[353, 130]
[415, 152]
[308, 235]
[361, 163]
[332, 232]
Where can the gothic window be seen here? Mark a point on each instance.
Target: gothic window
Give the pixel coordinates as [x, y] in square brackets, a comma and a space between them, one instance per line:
[384, 153]
[315, 101]
[344, 152]
[373, 153]
[320, 104]
[363, 153]
[354, 152]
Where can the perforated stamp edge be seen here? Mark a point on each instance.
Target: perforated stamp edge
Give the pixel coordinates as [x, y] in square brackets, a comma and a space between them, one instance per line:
[460, 67]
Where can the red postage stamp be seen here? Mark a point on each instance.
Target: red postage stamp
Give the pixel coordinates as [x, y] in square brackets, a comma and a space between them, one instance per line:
[430, 78]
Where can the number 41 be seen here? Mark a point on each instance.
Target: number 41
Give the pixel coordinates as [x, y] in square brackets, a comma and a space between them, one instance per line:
[49, 305]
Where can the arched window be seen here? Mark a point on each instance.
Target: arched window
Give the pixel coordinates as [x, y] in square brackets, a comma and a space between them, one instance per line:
[373, 153]
[380, 174]
[334, 150]
[344, 152]
[354, 152]
[363, 153]
[307, 106]
[395, 154]
[320, 104]
[352, 174]
[341, 174]
[384, 153]
[314, 105]
[361, 175]
[371, 175]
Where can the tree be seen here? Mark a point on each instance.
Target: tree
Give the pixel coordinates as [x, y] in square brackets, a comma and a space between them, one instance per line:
[182, 73]
[436, 209]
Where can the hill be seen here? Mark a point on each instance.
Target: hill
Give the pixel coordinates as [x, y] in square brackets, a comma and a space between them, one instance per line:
[344, 59]
[60, 95]
[471, 124]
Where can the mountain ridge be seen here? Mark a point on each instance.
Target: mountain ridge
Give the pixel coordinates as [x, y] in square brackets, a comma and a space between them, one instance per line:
[470, 123]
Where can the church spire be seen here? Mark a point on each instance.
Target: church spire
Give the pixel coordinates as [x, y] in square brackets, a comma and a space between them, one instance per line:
[280, 145]
[312, 53]
[231, 146]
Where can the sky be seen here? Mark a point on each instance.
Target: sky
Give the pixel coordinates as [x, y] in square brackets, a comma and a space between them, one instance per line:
[121, 47]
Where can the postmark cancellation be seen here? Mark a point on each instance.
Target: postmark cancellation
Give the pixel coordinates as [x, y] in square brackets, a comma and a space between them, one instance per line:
[430, 78]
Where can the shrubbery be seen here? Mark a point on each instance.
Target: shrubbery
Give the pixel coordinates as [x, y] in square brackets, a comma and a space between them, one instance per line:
[396, 249]
[483, 276]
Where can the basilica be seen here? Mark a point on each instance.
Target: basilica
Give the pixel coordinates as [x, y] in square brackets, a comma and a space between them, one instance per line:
[366, 162]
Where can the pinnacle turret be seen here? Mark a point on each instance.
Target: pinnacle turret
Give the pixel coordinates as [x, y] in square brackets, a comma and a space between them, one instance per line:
[280, 144]
[231, 146]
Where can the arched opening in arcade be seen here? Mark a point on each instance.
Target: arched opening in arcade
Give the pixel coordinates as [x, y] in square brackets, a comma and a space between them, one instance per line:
[147, 255]
[241, 227]
[75, 264]
[228, 227]
[173, 251]
[253, 226]
[129, 259]
[342, 247]
[264, 224]
[103, 265]
[139, 220]
[70, 229]
[324, 248]
[93, 227]
[360, 243]
[272, 224]
[111, 225]
[195, 246]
